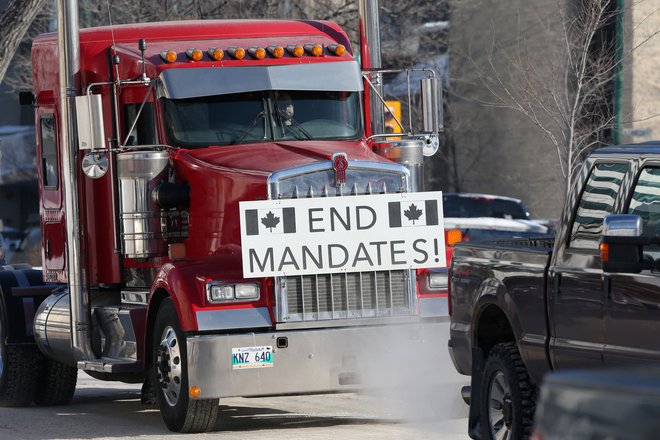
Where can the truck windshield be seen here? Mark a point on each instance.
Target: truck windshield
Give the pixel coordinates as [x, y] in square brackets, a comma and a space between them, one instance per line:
[262, 117]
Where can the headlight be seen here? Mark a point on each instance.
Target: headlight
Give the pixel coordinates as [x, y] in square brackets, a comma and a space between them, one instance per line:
[222, 292]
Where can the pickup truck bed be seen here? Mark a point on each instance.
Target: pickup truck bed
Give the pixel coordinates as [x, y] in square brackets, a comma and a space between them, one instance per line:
[504, 276]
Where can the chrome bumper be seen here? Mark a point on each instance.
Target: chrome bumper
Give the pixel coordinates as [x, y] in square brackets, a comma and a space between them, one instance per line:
[315, 360]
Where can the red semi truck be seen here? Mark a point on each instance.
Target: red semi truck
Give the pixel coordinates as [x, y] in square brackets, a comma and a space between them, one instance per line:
[193, 142]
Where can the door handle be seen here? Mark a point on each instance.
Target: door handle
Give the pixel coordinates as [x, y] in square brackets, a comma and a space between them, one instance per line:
[47, 249]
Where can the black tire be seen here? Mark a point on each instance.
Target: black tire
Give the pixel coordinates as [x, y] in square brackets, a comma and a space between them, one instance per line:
[57, 383]
[170, 376]
[20, 368]
[507, 396]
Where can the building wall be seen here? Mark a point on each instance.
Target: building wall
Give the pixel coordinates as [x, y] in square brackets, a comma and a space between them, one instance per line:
[641, 75]
[499, 150]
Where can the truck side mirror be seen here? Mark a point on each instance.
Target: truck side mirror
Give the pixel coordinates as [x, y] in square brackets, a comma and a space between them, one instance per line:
[431, 113]
[621, 246]
[89, 119]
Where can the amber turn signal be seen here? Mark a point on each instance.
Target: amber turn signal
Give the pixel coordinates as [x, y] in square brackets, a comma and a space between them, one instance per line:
[604, 252]
[453, 236]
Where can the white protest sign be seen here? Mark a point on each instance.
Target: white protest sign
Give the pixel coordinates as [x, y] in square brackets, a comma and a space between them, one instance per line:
[342, 234]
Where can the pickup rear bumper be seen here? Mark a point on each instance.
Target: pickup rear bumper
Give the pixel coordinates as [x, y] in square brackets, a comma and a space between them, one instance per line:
[314, 360]
[460, 352]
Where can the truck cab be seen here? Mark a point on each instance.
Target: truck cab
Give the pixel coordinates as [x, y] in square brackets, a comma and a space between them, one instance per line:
[144, 228]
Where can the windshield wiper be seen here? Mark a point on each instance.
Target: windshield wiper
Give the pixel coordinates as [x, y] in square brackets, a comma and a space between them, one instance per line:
[249, 128]
[299, 131]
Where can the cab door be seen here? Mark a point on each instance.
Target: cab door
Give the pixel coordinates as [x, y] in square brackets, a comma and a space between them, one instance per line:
[632, 306]
[51, 208]
[575, 287]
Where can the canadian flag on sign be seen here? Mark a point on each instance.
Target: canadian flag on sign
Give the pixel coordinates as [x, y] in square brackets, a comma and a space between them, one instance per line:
[413, 213]
[270, 221]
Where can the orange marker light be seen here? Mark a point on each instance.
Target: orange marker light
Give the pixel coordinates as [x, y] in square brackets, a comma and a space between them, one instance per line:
[314, 49]
[216, 54]
[276, 51]
[337, 49]
[195, 54]
[195, 392]
[258, 53]
[296, 50]
[604, 252]
[169, 56]
[237, 52]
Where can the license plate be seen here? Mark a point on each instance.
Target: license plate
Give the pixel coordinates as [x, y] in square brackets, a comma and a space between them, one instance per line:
[251, 357]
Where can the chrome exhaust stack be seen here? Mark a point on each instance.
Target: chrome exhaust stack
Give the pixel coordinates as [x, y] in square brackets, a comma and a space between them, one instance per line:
[69, 65]
[370, 56]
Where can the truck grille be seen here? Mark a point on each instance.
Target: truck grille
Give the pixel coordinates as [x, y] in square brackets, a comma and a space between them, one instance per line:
[346, 295]
[342, 296]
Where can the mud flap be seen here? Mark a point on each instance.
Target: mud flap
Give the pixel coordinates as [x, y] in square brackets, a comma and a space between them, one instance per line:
[478, 358]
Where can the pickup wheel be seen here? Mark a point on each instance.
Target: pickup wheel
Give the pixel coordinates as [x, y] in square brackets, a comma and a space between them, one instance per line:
[170, 376]
[508, 395]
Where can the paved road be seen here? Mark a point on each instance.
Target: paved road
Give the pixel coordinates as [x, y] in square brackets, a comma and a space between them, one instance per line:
[107, 410]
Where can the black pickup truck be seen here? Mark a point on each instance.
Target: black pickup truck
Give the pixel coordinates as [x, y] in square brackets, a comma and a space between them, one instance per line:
[589, 298]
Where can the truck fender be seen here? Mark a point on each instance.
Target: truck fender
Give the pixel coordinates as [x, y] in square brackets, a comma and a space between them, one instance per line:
[182, 287]
[492, 293]
[19, 308]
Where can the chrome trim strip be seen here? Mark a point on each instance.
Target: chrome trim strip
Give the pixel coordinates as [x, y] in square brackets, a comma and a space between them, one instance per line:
[140, 297]
[353, 165]
[254, 317]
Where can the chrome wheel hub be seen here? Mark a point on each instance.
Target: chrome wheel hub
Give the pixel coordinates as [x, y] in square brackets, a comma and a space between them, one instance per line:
[500, 407]
[168, 366]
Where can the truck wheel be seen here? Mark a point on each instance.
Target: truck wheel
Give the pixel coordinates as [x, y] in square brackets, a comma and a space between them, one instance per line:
[57, 383]
[508, 393]
[180, 413]
[19, 371]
